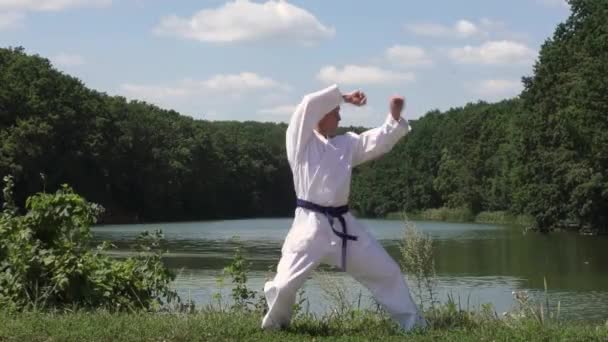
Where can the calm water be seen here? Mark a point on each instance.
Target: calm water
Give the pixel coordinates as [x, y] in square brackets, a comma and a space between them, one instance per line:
[475, 263]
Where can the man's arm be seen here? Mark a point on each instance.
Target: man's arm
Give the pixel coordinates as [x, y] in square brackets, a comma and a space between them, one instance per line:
[375, 142]
[311, 109]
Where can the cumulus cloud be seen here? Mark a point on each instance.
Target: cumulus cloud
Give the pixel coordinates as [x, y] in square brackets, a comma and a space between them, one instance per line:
[483, 28]
[11, 20]
[221, 93]
[246, 21]
[359, 75]
[493, 52]
[461, 29]
[12, 12]
[408, 56]
[49, 5]
[223, 83]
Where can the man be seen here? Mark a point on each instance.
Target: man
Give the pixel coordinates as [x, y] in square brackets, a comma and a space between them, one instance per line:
[323, 230]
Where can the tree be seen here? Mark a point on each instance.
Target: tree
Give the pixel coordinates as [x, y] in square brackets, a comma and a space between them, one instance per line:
[564, 153]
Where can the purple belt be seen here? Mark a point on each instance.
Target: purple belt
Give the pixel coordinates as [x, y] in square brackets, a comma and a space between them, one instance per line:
[331, 213]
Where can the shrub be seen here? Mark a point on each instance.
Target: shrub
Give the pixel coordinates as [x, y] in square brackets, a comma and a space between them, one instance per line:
[46, 259]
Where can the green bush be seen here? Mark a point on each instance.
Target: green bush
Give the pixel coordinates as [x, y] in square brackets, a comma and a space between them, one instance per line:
[46, 259]
[417, 260]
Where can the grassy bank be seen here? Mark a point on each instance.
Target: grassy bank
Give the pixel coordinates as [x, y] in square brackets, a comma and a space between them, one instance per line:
[46, 276]
[465, 215]
[212, 326]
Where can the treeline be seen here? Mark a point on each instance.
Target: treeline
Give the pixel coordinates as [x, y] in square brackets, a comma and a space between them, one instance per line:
[543, 153]
[140, 162]
[463, 158]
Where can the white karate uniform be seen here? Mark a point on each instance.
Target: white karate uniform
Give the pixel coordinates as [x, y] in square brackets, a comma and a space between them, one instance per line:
[322, 172]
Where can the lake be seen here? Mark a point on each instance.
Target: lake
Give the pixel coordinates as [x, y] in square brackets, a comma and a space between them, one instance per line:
[475, 263]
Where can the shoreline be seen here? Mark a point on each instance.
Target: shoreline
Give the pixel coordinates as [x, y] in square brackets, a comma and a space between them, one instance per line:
[464, 216]
[448, 215]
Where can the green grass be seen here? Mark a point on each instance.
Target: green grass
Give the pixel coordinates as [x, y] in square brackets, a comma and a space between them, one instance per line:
[231, 326]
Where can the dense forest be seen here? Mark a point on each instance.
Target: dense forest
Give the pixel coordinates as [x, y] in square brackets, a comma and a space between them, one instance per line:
[543, 153]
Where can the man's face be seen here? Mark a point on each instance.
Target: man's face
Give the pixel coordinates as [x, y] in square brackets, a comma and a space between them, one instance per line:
[329, 124]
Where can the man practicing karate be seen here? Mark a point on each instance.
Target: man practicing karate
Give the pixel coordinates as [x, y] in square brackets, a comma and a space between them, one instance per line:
[323, 230]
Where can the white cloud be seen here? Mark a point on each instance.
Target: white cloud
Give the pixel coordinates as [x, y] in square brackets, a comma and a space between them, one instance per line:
[359, 75]
[49, 5]
[240, 82]
[466, 28]
[11, 20]
[243, 20]
[483, 28]
[408, 56]
[207, 98]
[68, 60]
[12, 12]
[554, 3]
[494, 52]
[225, 85]
[496, 88]
[461, 29]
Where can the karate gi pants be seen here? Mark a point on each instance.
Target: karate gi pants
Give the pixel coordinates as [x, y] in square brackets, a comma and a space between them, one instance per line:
[366, 261]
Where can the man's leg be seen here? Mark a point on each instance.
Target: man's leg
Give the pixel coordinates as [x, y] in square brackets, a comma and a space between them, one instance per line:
[373, 267]
[292, 271]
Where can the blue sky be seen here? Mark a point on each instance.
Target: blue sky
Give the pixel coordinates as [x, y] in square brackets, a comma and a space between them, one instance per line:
[253, 60]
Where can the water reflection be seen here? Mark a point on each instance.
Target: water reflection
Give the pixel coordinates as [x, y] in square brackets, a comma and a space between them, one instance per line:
[476, 263]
